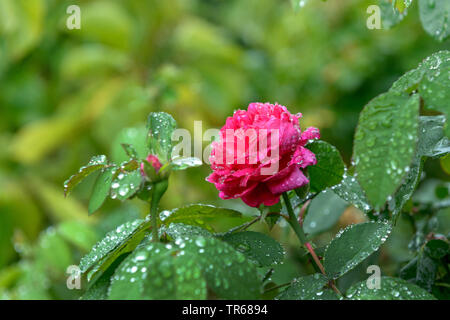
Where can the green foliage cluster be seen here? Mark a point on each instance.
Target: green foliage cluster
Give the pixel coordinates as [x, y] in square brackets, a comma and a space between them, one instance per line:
[194, 263]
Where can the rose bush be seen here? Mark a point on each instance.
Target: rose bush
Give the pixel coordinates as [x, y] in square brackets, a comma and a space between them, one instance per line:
[147, 258]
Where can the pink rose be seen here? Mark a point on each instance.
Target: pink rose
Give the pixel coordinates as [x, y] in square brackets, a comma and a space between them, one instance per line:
[154, 161]
[264, 136]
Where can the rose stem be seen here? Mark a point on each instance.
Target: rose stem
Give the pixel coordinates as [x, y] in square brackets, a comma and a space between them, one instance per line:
[153, 216]
[298, 229]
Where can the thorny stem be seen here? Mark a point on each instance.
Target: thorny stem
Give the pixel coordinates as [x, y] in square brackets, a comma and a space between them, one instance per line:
[298, 229]
[302, 212]
[277, 214]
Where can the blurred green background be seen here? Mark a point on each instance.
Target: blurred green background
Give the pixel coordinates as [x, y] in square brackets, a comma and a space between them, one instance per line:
[66, 94]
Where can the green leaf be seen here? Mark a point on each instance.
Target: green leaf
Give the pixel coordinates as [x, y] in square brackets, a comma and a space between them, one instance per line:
[256, 246]
[78, 233]
[432, 141]
[130, 150]
[431, 80]
[390, 289]
[401, 5]
[437, 249]
[350, 190]
[185, 163]
[352, 245]
[96, 163]
[181, 230]
[323, 212]
[197, 213]
[101, 189]
[426, 271]
[385, 141]
[329, 168]
[133, 137]
[228, 273]
[271, 214]
[407, 188]
[158, 271]
[160, 126]
[121, 240]
[435, 85]
[307, 288]
[389, 16]
[435, 15]
[126, 185]
[53, 252]
[99, 289]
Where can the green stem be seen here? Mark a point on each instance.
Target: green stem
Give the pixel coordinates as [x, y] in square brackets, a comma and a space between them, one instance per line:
[293, 221]
[298, 229]
[154, 218]
[158, 190]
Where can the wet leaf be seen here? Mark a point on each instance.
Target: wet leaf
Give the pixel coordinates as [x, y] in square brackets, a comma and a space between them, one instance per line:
[401, 5]
[437, 249]
[385, 141]
[130, 150]
[184, 231]
[435, 85]
[256, 246]
[158, 271]
[271, 214]
[329, 168]
[350, 190]
[352, 245]
[389, 16]
[432, 143]
[228, 273]
[390, 289]
[307, 288]
[431, 80]
[126, 185]
[101, 189]
[197, 214]
[99, 289]
[160, 126]
[323, 212]
[96, 163]
[116, 241]
[185, 163]
[426, 270]
[435, 16]
[407, 188]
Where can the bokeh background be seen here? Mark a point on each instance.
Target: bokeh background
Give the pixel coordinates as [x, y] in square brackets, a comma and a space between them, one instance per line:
[65, 95]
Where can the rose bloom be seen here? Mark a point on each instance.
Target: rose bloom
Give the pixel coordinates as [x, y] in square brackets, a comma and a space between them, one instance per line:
[154, 162]
[240, 161]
